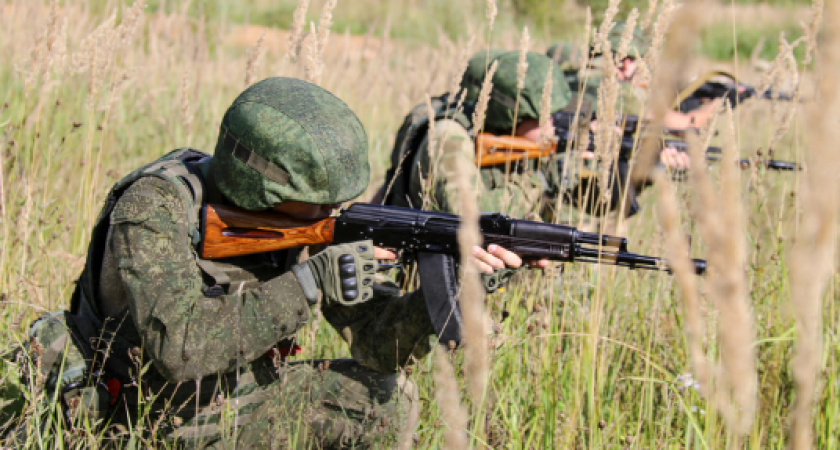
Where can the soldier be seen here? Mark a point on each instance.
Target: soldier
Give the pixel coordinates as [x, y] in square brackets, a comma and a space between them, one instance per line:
[585, 82]
[195, 349]
[421, 168]
[417, 119]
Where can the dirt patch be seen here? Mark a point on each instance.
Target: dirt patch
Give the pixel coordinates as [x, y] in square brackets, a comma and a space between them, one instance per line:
[365, 47]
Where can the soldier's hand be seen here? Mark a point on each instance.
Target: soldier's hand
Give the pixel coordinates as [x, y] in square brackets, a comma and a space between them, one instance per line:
[497, 257]
[675, 159]
[343, 274]
[384, 254]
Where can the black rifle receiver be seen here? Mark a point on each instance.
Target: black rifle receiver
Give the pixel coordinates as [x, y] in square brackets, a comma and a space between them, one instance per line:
[431, 239]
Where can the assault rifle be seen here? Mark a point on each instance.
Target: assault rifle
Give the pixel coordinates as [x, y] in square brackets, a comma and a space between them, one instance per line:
[711, 90]
[712, 153]
[629, 124]
[493, 150]
[430, 238]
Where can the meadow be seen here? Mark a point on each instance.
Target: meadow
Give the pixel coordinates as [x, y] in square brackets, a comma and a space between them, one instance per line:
[582, 356]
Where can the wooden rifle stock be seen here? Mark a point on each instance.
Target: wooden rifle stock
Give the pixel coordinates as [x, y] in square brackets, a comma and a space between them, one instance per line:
[228, 231]
[491, 150]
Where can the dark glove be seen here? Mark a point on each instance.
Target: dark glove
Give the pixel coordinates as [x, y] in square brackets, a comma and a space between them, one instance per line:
[342, 273]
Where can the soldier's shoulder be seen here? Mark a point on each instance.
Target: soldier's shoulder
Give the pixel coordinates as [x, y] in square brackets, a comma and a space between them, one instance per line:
[447, 127]
[146, 198]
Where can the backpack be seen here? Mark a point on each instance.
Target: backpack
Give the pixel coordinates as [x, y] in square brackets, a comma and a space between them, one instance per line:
[413, 130]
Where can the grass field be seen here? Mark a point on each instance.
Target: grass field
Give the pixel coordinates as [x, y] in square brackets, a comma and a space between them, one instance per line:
[593, 357]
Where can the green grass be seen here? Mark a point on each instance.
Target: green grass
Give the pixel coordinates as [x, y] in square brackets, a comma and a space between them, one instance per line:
[721, 42]
[590, 358]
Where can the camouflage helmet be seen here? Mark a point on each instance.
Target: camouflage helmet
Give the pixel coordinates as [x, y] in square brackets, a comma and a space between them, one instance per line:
[476, 70]
[500, 109]
[639, 42]
[284, 139]
[566, 54]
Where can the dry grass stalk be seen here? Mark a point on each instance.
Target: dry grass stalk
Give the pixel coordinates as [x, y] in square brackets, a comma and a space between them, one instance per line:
[599, 40]
[667, 79]
[483, 98]
[317, 43]
[771, 74]
[792, 73]
[93, 43]
[546, 134]
[811, 29]
[471, 296]
[678, 251]
[296, 31]
[454, 415]
[49, 51]
[649, 17]
[660, 28]
[522, 65]
[314, 66]
[606, 139]
[186, 114]
[126, 30]
[733, 385]
[811, 260]
[728, 257]
[252, 57]
[490, 12]
[461, 67]
[585, 45]
[626, 37]
[434, 154]
[324, 24]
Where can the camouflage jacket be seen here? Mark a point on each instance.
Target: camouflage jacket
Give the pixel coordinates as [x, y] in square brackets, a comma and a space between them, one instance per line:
[587, 83]
[152, 286]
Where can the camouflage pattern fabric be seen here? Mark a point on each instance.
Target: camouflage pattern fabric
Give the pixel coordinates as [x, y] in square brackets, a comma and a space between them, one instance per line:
[517, 190]
[201, 359]
[329, 404]
[565, 54]
[503, 107]
[477, 68]
[639, 41]
[516, 193]
[320, 139]
[568, 55]
[630, 98]
[573, 180]
[217, 340]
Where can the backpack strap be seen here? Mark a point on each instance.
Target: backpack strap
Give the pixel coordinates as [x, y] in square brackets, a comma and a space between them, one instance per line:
[191, 187]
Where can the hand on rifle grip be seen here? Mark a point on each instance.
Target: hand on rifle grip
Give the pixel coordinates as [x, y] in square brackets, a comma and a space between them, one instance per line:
[344, 274]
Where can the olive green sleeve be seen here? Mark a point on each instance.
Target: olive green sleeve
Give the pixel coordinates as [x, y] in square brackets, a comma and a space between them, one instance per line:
[186, 334]
[387, 331]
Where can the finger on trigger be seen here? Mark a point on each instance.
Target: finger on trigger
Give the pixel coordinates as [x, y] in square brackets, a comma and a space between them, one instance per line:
[381, 253]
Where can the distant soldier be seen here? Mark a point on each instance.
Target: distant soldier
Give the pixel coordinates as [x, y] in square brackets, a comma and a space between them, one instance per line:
[423, 165]
[585, 83]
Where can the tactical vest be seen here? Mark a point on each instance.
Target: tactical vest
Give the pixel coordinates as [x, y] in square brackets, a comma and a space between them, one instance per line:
[179, 168]
[414, 129]
[63, 352]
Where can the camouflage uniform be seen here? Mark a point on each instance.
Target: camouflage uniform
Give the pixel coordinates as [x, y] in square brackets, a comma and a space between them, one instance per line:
[584, 82]
[580, 183]
[196, 345]
[427, 169]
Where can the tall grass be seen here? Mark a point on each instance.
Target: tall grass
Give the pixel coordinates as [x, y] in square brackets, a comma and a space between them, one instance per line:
[586, 357]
